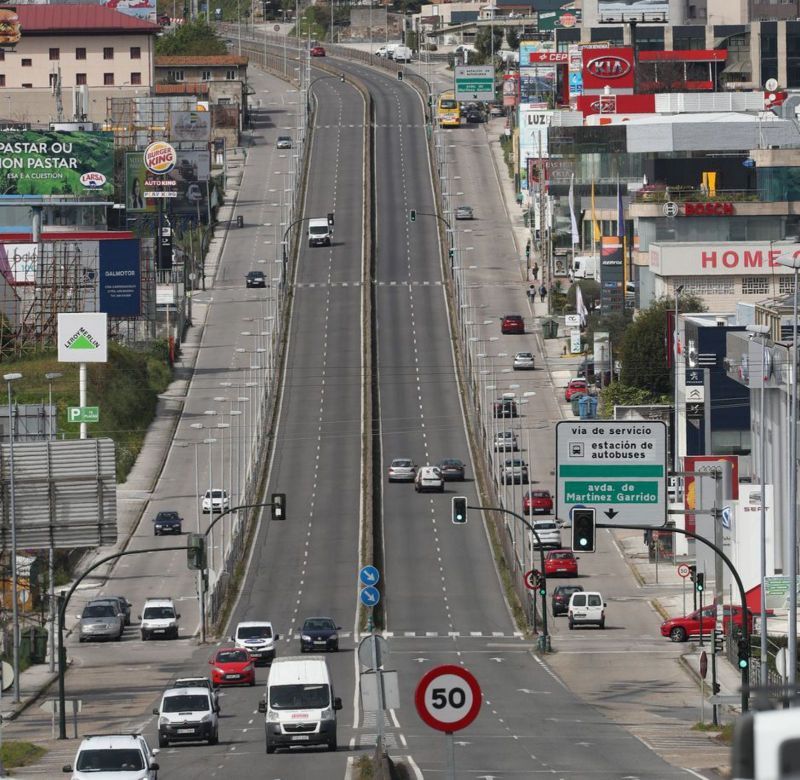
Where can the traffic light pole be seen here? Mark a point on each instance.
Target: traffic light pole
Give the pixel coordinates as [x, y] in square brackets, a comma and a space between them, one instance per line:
[544, 640]
[735, 574]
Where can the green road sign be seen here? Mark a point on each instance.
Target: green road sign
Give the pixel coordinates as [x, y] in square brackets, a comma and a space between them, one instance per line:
[474, 82]
[83, 414]
[617, 468]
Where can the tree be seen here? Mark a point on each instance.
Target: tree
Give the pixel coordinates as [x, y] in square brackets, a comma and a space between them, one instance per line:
[644, 347]
[191, 39]
[617, 394]
[512, 38]
[483, 42]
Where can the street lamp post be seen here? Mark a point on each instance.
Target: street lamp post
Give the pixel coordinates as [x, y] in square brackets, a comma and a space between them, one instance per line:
[51, 588]
[9, 378]
[675, 459]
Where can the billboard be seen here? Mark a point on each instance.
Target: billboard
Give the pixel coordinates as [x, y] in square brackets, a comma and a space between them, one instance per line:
[82, 338]
[120, 278]
[564, 18]
[612, 68]
[141, 9]
[10, 32]
[49, 162]
[633, 10]
[723, 258]
[18, 263]
[184, 186]
[190, 126]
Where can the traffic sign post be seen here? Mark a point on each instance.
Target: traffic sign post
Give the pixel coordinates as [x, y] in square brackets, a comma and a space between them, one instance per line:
[369, 575]
[370, 596]
[616, 468]
[475, 82]
[684, 570]
[531, 578]
[448, 699]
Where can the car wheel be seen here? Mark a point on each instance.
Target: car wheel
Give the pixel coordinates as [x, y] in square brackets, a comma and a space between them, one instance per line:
[155, 533]
[603, 623]
[252, 681]
[336, 648]
[162, 741]
[270, 748]
[571, 624]
[332, 744]
[145, 637]
[678, 634]
[214, 738]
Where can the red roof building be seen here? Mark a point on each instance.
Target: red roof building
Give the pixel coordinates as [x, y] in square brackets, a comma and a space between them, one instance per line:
[85, 19]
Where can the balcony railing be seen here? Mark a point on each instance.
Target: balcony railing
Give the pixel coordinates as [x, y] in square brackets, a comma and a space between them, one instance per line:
[680, 194]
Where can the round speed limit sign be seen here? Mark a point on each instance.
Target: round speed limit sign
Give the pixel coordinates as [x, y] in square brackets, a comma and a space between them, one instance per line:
[448, 698]
[683, 571]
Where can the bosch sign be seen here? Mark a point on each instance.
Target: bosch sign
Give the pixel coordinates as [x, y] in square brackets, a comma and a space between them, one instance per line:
[708, 209]
[608, 67]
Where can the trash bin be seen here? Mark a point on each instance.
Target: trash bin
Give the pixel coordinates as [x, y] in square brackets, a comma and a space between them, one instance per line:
[550, 328]
[38, 644]
[587, 407]
[575, 401]
[240, 221]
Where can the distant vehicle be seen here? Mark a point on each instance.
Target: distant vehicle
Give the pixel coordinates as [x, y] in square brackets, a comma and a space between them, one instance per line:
[299, 688]
[187, 715]
[448, 111]
[159, 618]
[232, 666]
[575, 387]
[402, 470]
[464, 212]
[319, 232]
[100, 621]
[505, 441]
[586, 609]
[402, 54]
[495, 109]
[126, 607]
[114, 755]
[561, 596]
[474, 116]
[548, 533]
[319, 633]
[512, 323]
[560, 563]
[429, 478]
[586, 267]
[506, 406]
[524, 361]
[167, 522]
[283, 142]
[258, 638]
[514, 471]
[317, 51]
[465, 48]
[120, 604]
[452, 469]
[164, 20]
[387, 52]
[255, 279]
[537, 502]
[217, 499]
[680, 629]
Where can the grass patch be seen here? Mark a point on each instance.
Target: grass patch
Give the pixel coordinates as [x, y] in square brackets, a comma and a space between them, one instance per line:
[16, 753]
[365, 769]
[723, 734]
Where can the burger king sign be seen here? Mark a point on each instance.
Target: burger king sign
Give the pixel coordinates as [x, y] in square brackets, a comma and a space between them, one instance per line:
[160, 157]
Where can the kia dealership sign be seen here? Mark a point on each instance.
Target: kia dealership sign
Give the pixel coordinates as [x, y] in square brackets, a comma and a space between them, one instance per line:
[751, 258]
[608, 68]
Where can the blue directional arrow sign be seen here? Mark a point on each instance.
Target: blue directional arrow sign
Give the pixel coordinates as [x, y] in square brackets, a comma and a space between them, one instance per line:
[369, 575]
[370, 596]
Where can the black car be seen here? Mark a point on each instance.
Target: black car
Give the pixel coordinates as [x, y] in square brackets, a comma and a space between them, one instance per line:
[561, 594]
[167, 523]
[505, 407]
[474, 116]
[255, 279]
[319, 633]
[452, 469]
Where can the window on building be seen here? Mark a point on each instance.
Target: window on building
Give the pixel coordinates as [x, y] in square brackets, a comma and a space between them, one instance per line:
[27, 86]
[26, 62]
[108, 79]
[230, 75]
[755, 285]
[136, 52]
[54, 54]
[205, 75]
[175, 75]
[136, 78]
[2, 79]
[53, 79]
[108, 53]
[80, 78]
[786, 285]
[2, 55]
[80, 53]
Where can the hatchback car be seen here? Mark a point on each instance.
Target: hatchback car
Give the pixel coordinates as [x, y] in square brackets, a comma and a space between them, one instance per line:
[537, 502]
[319, 633]
[452, 469]
[167, 522]
[402, 470]
[524, 361]
[561, 596]
[512, 324]
[505, 441]
[464, 212]
[586, 609]
[514, 471]
[474, 116]
[429, 478]
[548, 533]
[232, 666]
[317, 51]
[680, 629]
[575, 387]
[216, 498]
[560, 563]
[283, 142]
[255, 279]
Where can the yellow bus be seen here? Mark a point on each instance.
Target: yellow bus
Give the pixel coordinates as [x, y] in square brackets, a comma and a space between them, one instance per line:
[448, 112]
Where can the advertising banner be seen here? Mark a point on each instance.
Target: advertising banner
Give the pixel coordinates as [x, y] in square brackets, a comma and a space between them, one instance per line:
[135, 177]
[44, 162]
[185, 185]
[141, 9]
[537, 83]
[612, 296]
[633, 10]
[10, 31]
[190, 126]
[719, 259]
[120, 278]
[705, 463]
[18, 263]
[82, 338]
[510, 90]
[611, 68]
[564, 18]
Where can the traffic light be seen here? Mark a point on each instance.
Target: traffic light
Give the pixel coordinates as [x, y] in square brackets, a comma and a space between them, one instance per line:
[412, 215]
[278, 506]
[399, 75]
[196, 551]
[330, 219]
[744, 653]
[541, 584]
[699, 581]
[341, 78]
[583, 530]
[718, 640]
[716, 688]
[459, 506]
[692, 571]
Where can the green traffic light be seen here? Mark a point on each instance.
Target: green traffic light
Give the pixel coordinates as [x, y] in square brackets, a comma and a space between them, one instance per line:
[743, 664]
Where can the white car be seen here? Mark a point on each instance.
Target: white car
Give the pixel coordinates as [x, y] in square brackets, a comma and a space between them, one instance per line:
[524, 361]
[216, 499]
[587, 609]
[429, 478]
[159, 619]
[548, 533]
[402, 470]
[258, 638]
[505, 441]
[119, 756]
[514, 471]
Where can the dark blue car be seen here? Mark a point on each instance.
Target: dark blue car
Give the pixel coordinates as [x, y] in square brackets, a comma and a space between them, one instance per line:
[319, 633]
[167, 523]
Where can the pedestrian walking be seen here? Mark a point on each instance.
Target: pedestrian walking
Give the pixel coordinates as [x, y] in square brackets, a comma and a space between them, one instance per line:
[542, 292]
[535, 270]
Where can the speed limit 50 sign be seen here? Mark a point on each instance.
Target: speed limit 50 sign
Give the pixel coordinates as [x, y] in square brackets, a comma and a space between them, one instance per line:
[448, 698]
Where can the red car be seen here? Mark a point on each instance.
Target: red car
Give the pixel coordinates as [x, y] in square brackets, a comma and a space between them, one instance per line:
[512, 323]
[560, 563]
[317, 51]
[682, 628]
[574, 387]
[536, 502]
[232, 666]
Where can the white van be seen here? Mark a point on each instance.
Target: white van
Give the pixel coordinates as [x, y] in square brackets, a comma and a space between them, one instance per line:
[187, 715]
[320, 232]
[299, 704]
[586, 609]
[258, 638]
[159, 618]
[402, 54]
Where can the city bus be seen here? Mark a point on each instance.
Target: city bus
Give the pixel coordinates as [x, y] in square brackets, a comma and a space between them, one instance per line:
[448, 112]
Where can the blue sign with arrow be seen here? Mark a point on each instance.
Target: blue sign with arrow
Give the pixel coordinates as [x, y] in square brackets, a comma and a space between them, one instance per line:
[370, 596]
[369, 575]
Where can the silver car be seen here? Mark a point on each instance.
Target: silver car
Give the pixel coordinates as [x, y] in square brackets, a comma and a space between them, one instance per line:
[284, 142]
[514, 471]
[402, 470]
[505, 441]
[100, 621]
[464, 212]
[524, 361]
